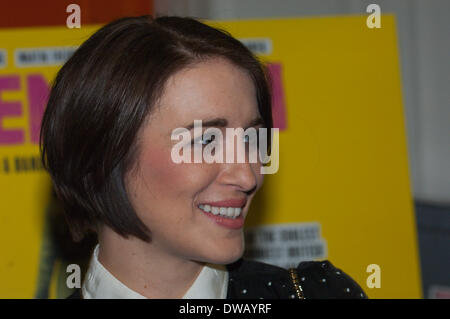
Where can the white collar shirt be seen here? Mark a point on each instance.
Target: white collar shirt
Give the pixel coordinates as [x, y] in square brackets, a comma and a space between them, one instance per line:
[99, 283]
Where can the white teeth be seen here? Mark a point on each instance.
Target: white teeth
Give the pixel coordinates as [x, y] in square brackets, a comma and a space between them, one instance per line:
[230, 212]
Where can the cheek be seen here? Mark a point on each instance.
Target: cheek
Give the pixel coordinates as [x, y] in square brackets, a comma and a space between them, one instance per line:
[168, 181]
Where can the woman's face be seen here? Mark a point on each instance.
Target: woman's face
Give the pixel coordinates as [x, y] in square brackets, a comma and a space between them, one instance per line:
[166, 195]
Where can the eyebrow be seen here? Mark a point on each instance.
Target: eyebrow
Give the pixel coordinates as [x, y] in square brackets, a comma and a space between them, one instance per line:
[221, 122]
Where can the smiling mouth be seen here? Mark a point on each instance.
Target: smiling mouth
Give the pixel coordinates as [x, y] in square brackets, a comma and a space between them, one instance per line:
[227, 212]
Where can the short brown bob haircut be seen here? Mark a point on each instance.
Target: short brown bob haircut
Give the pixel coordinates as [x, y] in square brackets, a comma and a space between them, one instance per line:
[101, 97]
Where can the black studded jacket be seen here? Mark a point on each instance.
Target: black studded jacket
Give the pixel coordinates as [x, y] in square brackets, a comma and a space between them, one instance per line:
[309, 280]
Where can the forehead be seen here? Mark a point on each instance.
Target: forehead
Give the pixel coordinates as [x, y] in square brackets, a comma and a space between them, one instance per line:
[211, 88]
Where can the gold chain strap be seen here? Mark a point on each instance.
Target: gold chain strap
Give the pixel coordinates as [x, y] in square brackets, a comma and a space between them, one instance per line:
[298, 288]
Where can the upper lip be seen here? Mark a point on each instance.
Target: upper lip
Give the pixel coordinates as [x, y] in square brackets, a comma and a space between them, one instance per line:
[234, 202]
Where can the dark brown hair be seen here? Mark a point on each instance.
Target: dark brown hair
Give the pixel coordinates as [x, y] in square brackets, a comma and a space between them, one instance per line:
[101, 97]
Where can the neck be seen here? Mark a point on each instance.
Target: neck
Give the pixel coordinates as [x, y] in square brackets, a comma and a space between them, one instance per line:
[145, 268]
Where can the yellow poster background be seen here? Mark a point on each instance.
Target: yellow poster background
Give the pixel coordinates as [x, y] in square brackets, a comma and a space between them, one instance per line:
[25, 195]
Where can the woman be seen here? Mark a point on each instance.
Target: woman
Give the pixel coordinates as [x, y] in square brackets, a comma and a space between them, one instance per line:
[162, 227]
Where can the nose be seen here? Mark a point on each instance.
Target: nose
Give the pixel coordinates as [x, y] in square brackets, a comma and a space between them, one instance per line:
[240, 172]
[241, 175]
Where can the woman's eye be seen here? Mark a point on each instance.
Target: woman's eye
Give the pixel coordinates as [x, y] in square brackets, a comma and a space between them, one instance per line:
[248, 139]
[204, 140]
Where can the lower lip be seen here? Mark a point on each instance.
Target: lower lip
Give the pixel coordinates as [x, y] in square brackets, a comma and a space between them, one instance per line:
[231, 223]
